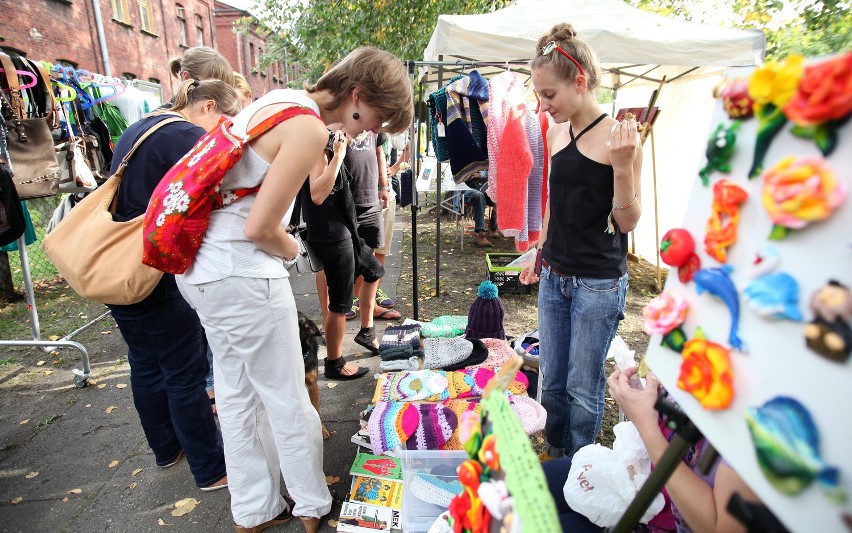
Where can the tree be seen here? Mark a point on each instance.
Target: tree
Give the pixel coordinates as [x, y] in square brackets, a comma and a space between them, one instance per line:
[808, 27]
[316, 33]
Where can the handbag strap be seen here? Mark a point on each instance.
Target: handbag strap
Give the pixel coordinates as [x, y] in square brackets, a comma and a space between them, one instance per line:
[14, 86]
[175, 118]
[52, 116]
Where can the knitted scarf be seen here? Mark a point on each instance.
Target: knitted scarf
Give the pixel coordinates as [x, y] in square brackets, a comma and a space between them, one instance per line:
[467, 157]
[534, 206]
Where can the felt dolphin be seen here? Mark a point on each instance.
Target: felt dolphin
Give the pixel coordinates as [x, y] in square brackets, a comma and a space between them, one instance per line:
[772, 295]
[717, 281]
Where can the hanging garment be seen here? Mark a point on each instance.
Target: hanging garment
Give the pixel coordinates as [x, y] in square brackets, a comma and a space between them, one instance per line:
[534, 207]
[29, 232]
[467, 157]
[437, 102]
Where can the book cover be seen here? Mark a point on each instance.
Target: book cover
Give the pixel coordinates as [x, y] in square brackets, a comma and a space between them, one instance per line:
[358, 517]
[381, 492]
[377, 466]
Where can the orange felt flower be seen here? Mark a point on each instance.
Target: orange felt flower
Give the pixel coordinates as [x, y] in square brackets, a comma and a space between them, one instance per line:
[824, 93]
[707, 374]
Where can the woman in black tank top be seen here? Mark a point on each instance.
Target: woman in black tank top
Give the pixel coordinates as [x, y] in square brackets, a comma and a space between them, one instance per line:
[593, 203]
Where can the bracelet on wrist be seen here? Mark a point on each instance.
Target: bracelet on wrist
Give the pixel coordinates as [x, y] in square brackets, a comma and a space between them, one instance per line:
[633, 201]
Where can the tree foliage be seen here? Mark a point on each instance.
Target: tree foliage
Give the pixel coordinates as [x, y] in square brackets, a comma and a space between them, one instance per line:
[808, 27]
[316, 33]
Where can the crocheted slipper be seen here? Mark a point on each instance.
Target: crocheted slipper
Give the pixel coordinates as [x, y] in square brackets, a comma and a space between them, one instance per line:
[334, 368]
[437, 424]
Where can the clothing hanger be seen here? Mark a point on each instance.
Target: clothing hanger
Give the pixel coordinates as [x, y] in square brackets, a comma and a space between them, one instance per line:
[25, 73]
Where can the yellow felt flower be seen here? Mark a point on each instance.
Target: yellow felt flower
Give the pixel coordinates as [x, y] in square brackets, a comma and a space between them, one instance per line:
[707, 374]
[776, 81]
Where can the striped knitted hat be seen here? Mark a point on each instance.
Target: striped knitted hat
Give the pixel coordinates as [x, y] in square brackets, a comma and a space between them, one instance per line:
[437, 424]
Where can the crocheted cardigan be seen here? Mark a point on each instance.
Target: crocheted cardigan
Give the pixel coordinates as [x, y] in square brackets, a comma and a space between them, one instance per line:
[467, 156]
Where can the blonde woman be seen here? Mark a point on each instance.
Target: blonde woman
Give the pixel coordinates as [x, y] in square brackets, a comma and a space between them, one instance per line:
[240, 288]
[243, 88]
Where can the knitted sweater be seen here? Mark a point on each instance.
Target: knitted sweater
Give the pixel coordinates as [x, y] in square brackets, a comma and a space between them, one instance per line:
[467, 158]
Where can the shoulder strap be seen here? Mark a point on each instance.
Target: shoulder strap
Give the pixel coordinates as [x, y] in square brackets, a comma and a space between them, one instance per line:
[14, 85]
[587, 128]
[141, 139]
[278, 118]
[52, 116]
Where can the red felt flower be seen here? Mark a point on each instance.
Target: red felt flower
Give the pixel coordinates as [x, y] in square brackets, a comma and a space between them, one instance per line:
[824, 93]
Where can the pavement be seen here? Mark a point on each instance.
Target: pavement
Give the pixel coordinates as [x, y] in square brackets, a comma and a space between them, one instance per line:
[76, 459]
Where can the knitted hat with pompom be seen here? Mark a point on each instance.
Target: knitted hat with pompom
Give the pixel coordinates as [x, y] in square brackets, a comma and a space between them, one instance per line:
[485, 318]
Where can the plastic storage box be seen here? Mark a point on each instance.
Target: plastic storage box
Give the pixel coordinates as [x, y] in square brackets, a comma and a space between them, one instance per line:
[437, 468]
[506, 278]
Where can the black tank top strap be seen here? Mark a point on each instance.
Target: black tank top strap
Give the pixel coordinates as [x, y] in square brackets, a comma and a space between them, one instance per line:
[587, 128]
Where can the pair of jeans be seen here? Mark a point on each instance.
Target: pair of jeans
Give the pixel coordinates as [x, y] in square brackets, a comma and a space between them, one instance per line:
[168, 362]
[477, 200]
[578, 318]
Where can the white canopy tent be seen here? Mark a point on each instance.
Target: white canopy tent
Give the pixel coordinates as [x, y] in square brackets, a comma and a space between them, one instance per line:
[638, 48]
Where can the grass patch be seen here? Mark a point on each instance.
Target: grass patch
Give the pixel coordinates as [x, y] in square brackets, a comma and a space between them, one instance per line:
[9, 361]
[46, 422]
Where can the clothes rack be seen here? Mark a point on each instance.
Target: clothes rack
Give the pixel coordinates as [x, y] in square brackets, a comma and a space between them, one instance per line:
[81, 376]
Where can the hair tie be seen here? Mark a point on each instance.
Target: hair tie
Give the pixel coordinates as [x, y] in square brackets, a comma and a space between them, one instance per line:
[195, 83]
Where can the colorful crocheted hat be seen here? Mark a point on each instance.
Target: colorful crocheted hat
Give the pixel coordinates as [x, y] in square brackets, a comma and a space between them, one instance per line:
[391, 424]
[405, 335]
[485, 319]
[437, 424]
[441, 352]
[499, 353]
[419, 385]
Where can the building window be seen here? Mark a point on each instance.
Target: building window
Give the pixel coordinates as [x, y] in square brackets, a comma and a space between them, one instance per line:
[154, 80]
[128, 75]
[66, 63]
[252, 58]
[199, 30]
[181, 22]
[119, 11]
[12, 52]
[259, 59]
[146, 21]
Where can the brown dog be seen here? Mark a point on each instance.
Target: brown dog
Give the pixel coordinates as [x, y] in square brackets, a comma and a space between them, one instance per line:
[308, 333]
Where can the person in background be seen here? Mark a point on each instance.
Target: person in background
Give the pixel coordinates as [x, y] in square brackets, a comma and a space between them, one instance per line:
[477, 200]
[698, 501]
[594, 203]
[239, 286]
[383, 301]
[243, 89]
[166, 347]
[202, 63]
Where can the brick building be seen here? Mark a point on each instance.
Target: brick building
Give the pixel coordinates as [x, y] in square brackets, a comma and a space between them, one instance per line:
[140, 36]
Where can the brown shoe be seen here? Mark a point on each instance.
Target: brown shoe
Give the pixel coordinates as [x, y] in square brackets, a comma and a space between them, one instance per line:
[494, 233]
[481, 240]
[282, 518]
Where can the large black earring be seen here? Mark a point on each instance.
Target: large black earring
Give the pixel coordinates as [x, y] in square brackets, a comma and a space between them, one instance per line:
[356, 115]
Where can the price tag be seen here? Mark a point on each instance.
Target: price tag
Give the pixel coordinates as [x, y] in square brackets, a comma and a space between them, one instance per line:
[442, 131]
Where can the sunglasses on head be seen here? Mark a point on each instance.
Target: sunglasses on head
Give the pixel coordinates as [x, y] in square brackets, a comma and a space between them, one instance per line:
[551, 46]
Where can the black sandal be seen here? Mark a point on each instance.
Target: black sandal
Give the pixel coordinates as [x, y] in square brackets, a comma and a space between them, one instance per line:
[334, 369]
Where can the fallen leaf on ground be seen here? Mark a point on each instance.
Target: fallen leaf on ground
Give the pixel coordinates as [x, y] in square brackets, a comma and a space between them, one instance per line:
[184, 506]
[16, 501]
[110, 409]
[135, 471]
[161, 522]
[105, 332]
[31, 475]
[132, 486]
[25, 421]
[121, 385]
[54, 337]
[113, 464]
[75, 491]
[41, 363]
[331, 480]
[102, 386]
[88, 405]
[65, 499]
[332, 523]
[331, 385]
[54, 352]
[48, 372]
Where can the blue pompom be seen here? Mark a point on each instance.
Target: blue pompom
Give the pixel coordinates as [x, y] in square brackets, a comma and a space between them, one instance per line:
[487, 290]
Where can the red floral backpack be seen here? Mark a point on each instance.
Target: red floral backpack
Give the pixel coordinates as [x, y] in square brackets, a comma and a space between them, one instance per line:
[179, 210]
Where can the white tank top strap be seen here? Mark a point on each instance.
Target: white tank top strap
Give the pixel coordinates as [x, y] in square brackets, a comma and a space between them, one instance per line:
[277, 96]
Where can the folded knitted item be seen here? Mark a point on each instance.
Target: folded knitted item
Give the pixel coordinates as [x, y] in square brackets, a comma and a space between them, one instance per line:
[441, 352]
[531, 413]
[412, 363]
[478, 354]
[396, 336]
[399, 352]
[432, 489]
[436, 426]
[391, 424]
[459, 407]
[445, 326]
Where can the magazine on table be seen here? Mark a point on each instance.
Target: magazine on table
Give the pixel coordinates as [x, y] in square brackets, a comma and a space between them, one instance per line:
[376, 466]
[356, 517]
[382, 492]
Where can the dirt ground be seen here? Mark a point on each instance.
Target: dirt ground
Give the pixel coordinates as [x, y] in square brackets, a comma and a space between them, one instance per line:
[462, 270]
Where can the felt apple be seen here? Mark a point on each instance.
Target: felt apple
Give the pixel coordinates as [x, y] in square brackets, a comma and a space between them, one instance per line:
[677, 249]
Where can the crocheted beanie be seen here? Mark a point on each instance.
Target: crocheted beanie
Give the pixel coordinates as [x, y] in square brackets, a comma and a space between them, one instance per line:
[499, 353]
[391, 424]
[530, 412]
[405, 335]
[441, 352]
[437, 424]
[485, 318]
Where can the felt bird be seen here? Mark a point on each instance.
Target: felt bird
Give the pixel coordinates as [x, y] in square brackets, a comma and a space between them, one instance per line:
[717, 281]
[788, 448]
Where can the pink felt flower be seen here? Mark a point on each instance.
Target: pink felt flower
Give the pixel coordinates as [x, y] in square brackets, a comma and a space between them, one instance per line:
[798, 192]
[664, 313]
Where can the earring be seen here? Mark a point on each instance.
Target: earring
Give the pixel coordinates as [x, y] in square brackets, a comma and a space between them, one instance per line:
[356, 115]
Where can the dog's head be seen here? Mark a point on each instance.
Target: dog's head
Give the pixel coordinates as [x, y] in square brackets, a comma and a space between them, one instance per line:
[308, 333]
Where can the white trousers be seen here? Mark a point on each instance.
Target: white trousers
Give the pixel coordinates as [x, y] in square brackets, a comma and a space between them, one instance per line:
[268, 422]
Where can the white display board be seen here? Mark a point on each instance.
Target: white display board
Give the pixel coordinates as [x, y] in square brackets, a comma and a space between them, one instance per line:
[778, 361]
